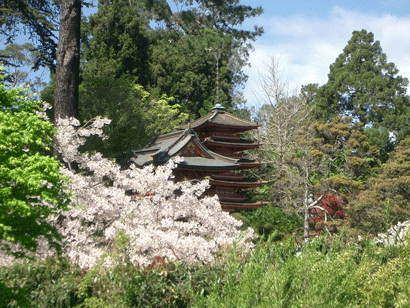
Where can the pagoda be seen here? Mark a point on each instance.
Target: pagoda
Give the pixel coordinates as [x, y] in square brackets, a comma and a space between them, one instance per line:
[212, 147]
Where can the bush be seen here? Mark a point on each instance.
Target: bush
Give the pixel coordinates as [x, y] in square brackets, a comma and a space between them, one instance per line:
[325, 272]
[59, 283]
[270, 221]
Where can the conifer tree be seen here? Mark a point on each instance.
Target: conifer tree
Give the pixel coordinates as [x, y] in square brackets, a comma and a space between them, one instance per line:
[39, 19]
[362, 84]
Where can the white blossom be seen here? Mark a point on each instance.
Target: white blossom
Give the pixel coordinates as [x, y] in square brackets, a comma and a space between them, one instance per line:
[395, 235]
[157, 221]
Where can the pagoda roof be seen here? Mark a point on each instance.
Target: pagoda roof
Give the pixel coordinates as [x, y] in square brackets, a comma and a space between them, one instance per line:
[219, 117]
[162, 148]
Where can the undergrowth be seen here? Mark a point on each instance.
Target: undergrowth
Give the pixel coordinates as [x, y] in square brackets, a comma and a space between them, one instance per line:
[325, 272]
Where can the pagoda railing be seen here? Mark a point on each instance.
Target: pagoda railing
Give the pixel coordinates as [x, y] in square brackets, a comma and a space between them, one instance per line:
[228, 176]
[221, 135]
[226, 195]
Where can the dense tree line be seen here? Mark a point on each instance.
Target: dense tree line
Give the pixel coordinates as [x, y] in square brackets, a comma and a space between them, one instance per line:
[149, 68]
[194, 54]
[337, 154]
[347, 138]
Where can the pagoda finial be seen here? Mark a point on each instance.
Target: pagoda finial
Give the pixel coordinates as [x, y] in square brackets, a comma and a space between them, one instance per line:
[218, 107]
[217, 55]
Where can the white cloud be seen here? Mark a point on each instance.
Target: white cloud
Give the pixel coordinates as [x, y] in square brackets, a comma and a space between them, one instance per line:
[307, 45]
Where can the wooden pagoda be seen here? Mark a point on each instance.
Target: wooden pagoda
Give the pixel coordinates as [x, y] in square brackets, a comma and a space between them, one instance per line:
[212, 147]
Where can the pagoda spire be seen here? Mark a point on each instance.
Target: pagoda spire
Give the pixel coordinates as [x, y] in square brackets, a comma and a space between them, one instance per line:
[217, 55]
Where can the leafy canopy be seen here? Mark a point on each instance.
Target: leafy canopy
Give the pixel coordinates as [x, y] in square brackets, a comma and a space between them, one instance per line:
[136, 115]
[31, 186]
[174, 52]
[385, 201]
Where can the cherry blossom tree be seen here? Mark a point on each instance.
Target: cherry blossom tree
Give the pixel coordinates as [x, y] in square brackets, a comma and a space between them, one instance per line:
[158, 216]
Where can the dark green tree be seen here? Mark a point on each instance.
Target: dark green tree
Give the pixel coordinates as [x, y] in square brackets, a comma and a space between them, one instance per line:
[38, 18]
[193, 68]
[217, 23]
[115, 59]
[180, 57]
[362, 84]
[115, 42]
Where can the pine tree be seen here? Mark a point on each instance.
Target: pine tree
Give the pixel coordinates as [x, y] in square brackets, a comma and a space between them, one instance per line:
[362, 84]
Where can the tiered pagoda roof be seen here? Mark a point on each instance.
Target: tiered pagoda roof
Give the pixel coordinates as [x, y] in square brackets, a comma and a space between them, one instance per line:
[211, 147]
[218, 117]
[181, 143]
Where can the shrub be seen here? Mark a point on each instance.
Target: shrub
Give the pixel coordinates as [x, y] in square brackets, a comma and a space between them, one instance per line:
[270, 220]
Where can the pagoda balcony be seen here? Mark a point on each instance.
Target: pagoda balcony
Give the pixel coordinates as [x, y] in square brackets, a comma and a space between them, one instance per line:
[220, 135]
[226, 152]
[250, 165]
[226, 196]
[240, 145]
[231, 206]
[243, 184]
[228, 176]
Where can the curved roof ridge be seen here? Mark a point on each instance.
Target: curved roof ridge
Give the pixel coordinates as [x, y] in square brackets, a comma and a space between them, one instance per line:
[220, 118]
[226, 158]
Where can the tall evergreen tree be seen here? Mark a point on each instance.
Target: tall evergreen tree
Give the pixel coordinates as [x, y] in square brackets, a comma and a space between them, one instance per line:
[194, 69]
[364, 85]
[181, 56]
[38, 18]
[115, 42]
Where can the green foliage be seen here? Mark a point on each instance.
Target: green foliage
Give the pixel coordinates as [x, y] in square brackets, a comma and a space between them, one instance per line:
[38, 18]
[60, 283]
[386, 198]
[325, 272]
[364, 85]
[136, 116]
[184, 67]
[31, 186]
[270, 221]
[333, 156]
[179, 56]
[115, 42]
[48, 283]
[340, 155]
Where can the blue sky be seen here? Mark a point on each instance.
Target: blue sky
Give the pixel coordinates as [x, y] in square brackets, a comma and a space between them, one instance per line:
[307, 36]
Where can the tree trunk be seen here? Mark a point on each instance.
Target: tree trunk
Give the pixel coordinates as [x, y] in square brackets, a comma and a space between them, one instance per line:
[307, 216]
[306, 223]
[68, 61]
